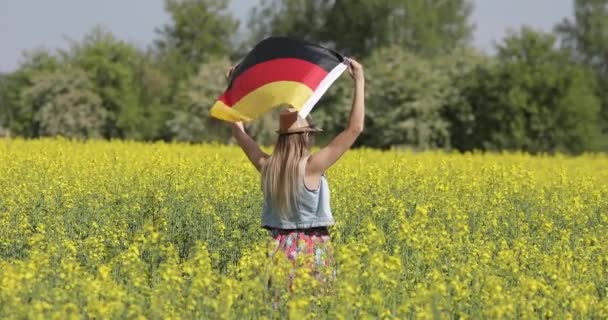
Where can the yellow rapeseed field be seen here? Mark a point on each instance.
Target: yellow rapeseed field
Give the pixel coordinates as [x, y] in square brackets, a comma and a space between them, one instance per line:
[167, 231]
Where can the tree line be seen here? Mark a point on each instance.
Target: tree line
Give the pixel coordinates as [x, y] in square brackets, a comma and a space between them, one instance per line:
[427, 88]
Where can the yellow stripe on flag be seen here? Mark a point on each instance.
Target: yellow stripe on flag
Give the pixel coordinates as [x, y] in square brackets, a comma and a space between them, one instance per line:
[263, 99]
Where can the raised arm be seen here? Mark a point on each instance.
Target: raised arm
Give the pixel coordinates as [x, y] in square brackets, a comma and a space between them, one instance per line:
[249, 146]
[327, 156]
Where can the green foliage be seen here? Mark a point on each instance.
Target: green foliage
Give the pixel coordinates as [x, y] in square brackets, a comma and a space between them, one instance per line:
[533, 98]
[110, 65]
[411, 101]
[587, 36]
[199, 31]
[16, 116]
[153, 88]
[293, 18]
[3, 121]
[587, 33]
[12, 118]
[459, 65]
[406, 95]
[65, 104]
[190, 119]
[357, 27]
[119, 72]
[421, 26]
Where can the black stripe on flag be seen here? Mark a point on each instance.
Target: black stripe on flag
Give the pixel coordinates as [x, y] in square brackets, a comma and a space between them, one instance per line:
[283, 47]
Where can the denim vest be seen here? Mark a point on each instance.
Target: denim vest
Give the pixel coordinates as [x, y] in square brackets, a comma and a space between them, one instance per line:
[313, 209]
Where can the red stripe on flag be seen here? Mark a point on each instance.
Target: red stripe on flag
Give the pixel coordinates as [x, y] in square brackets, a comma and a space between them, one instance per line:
[284, 69]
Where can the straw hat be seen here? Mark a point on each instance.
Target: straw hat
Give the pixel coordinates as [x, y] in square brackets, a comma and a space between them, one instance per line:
[291, 122]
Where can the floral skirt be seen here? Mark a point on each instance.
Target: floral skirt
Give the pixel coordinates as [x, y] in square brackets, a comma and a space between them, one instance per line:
[313, 242]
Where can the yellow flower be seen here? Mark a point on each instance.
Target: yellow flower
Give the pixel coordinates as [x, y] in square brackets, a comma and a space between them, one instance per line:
[171, 231]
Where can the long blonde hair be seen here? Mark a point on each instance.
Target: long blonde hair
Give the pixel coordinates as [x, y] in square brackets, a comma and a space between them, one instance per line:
[281, 175]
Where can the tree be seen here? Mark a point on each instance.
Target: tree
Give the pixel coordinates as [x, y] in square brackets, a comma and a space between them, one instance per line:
[3, 116]
[16, 116]
[588, 33]
[300, 19]
[460, 65]
[534, 98]
[406, 95]
[64, 103]
[200, 30]
[421, 26]
[113, 65]
[356, 27]
[153, 88]
[190, 119]
[7, 102]
[399, 81]
[131, 86]
[587, 36]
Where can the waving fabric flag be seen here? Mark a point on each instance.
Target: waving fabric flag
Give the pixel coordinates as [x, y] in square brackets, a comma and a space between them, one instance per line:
[278, 71]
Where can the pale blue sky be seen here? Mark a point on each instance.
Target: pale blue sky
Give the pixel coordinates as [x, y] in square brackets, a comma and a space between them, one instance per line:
[29, 24]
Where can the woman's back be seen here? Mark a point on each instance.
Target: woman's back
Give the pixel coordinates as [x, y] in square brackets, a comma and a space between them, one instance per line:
[312, 207]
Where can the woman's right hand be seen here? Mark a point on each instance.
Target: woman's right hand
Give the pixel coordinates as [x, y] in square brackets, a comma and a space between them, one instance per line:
[238, 125]
[229, 73]
[356, 70]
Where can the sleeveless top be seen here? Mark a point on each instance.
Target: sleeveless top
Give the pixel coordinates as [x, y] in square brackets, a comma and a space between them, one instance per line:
[313, 208]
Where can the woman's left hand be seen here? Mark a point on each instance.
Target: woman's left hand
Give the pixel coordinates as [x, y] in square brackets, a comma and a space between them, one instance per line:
[229, 72]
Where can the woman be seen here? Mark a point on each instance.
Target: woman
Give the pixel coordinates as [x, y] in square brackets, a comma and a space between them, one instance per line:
[296, 194]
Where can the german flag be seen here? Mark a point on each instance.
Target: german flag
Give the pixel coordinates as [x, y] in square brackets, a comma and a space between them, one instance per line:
[278, 71]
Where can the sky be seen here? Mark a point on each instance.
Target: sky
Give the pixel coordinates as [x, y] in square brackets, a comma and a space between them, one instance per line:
[35, 24]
